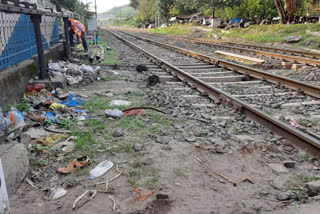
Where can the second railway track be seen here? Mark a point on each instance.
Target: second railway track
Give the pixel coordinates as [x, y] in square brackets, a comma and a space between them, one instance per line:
[301, 57]
[217, 81]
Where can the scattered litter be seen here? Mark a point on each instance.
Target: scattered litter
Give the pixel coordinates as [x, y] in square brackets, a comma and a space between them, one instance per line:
[57, 193]
[61, 94]
[54, 66]
[75, 164]
[31, 183]
[38, 118]
[141, 197]
[141, 68]
[35, 88]
[66, 146]
[72, 102]
[133, 112]
[81, 118]
[114, 113]
[101, 169]
[51, 116]
[55, 106]
[115, 205]
[294, 124]
[153, 80]
[17, 118]
[49, 140]
[114, 73]
[5, 123]
[120, 103]
[80, 111]
[73, 80]
[80, 47]
[86, 68]
[214, 171]
[91, 194]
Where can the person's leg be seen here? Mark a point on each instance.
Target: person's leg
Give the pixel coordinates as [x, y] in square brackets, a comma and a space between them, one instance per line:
[84, 42]
[71, 37]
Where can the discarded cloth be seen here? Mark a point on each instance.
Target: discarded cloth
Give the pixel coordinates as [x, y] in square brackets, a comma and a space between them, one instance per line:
[50, 139]
[35, 88]
[54, 106]
[72, 102]
[133, 112]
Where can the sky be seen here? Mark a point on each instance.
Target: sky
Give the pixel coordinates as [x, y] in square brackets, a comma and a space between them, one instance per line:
[105, 5]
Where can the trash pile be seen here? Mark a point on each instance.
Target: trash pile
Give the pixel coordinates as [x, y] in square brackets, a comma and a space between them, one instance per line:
[76, 74]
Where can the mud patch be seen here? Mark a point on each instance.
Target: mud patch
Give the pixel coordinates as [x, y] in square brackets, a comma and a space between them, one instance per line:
[156, 207]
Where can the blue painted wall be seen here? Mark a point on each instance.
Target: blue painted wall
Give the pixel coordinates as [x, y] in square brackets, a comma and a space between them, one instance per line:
[22, 44]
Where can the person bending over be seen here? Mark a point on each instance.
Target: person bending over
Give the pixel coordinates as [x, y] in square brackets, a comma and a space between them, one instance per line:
[78, 28]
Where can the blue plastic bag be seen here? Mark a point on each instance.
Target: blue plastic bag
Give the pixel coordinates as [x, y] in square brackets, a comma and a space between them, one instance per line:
[71, 102]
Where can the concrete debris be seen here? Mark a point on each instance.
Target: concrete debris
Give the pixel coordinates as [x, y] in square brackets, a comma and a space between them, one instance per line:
[313, 188]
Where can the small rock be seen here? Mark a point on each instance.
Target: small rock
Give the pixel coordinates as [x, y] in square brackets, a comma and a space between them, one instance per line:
[118, 133]
[282, 118]
[220, 150]
[191, 139]
[25, 139]
[313, 188]
[163, 140]
[161, 196]
[138, 147]
[283, 196]
[288, 148]
[289, 164]
[293, 39]
[279, 168]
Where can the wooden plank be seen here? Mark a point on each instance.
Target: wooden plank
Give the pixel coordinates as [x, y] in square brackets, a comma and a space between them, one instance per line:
[240, 57]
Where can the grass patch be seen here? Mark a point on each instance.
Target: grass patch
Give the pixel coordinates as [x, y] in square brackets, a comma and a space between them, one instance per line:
[304, 178]
[175, 29]
[271, 33]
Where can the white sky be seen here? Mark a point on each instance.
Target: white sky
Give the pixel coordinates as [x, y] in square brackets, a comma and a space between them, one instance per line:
[105, 5]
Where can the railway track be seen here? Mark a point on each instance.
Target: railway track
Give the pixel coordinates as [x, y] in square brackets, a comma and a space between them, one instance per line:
[217, 80]
[301, 57]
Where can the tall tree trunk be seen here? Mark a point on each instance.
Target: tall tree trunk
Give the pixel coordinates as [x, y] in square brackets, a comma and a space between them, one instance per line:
[281, 11]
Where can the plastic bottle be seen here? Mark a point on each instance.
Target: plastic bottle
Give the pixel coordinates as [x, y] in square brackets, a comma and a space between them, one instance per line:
[114, 113]
[101, 169]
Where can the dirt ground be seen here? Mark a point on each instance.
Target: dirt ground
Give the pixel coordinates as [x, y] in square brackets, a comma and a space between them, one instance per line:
[179, 165]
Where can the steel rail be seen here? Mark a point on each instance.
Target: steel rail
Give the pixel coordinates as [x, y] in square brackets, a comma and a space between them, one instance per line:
[308, 89]
[302, 140]
[313, 60]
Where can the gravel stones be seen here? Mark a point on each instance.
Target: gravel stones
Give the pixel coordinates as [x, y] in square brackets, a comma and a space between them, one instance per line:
[191, 139]
[138, 147]
[118, 133]
[162, 139]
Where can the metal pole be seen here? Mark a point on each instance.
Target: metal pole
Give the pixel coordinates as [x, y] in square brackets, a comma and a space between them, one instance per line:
[36, 20]
[95, 32]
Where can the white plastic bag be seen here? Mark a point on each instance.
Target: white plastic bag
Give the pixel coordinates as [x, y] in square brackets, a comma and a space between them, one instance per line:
[54, 66]
[86, 68]
[114, 112]
[5, 123]
[120, 103]
[101, 169]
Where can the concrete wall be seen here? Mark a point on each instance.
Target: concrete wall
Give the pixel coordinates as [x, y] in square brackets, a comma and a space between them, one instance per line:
[14, 80]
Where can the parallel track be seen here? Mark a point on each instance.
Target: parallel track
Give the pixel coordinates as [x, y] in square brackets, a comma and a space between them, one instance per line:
[302, 57]
[309, 143]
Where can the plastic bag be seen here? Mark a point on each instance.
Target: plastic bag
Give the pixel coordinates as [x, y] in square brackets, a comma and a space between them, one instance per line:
[120, 103]
[54, 66]
[5, 123]
[71, 102]
[114, 113]
[17, 118]
[101, 169]
[86, 68]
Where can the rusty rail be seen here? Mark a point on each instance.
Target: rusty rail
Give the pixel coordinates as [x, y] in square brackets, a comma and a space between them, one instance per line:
[289, 55]
[311, 90]
[302, 140]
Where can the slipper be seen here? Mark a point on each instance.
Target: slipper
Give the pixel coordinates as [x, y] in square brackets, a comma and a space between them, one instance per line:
[75, 164]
